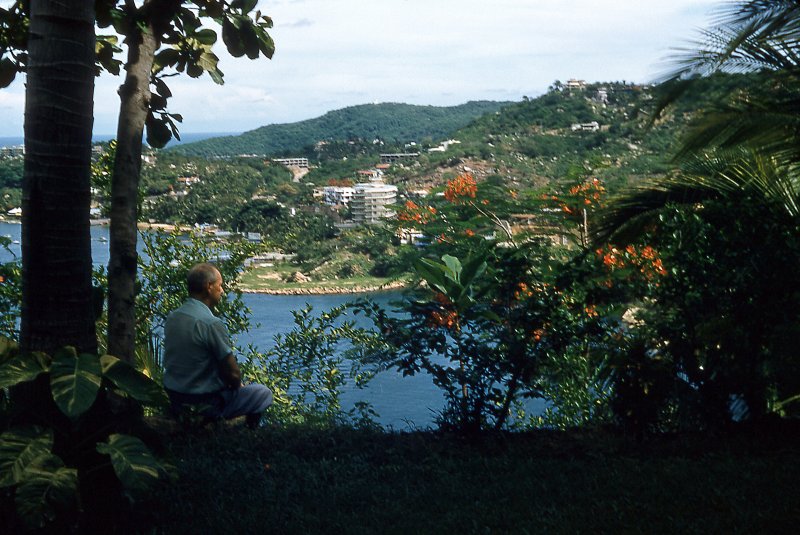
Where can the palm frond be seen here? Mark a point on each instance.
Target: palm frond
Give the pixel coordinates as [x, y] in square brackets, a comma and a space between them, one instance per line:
[734, 174]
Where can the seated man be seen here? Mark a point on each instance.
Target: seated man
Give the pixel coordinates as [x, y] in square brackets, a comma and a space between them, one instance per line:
[199, 366]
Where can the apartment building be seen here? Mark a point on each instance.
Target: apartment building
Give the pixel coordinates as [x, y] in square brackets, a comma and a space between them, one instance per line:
[370, 202]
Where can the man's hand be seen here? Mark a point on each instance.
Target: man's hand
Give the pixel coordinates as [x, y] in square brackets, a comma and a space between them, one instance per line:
[230, 373]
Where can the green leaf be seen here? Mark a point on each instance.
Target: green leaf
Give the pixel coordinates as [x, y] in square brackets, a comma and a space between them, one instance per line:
[454, 266]
[232, 39]
[74, 381]
[48, 487]
[162, 88]
[18, 449]
[158, 133]
[432, 272]
[473, 268]
[133, 463]
[249, 39]
[208, 61]
[8, 71]
[265, 43]
[20, 369]
[166, 58]
[217, 76]
[134, 383]
[206, 36]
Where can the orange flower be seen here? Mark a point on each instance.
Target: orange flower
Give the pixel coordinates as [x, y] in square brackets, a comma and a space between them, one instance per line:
[469, 232]
[649, 253]
[522, 291]
[463, 186]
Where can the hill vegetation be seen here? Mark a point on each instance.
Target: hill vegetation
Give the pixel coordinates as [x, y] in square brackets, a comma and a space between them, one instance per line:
[391, 123]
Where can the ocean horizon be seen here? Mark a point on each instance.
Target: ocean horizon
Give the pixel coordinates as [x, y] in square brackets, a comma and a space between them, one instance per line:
[186, 137]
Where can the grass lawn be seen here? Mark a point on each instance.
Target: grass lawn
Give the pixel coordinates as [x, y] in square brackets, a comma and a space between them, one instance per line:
[301, 480]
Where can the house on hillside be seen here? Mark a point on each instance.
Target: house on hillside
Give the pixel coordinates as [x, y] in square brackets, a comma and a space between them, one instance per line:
[337, 195]
[398, 157]
[575, 84]
[371, 201]
[293, 162]
[594, 126]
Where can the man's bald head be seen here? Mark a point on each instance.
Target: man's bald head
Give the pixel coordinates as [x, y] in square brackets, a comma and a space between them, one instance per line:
[200, 276]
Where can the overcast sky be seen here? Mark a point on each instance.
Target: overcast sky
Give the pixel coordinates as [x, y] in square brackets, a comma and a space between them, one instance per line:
[336, 53]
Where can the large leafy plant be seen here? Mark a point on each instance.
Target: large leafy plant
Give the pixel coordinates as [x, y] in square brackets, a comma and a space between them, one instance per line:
[50, 464]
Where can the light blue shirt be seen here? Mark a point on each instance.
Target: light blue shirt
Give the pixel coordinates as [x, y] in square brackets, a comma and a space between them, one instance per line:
[195, 343]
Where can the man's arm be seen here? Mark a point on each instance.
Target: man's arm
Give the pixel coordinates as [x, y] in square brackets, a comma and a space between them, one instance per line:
[230, 373]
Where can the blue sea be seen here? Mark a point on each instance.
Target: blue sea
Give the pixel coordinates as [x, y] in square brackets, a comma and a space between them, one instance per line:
[188, 137]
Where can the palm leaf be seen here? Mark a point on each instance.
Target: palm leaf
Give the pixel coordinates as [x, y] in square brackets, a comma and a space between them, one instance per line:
[716, 175]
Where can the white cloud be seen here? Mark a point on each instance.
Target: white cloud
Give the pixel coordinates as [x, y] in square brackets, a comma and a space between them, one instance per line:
[331, 54]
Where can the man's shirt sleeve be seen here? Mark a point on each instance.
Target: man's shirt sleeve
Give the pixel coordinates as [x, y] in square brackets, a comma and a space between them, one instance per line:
[219, 340]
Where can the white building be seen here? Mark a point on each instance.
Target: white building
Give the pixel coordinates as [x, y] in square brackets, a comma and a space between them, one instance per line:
[12, 152]
[337, 195]
[293, 162]
[398, 157]
[370, 202]
[594, 126]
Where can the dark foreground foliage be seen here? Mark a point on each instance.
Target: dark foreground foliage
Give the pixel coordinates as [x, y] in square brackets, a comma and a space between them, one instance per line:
[302, 480]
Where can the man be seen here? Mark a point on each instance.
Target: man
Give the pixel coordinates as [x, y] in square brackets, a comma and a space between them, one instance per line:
[199, 366]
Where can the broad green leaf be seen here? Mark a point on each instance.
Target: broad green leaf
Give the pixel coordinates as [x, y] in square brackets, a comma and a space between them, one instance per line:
[20, 369]
[206, 36]
[473, 269]
[131, 381]
[162, 88]
[265, 43]
[231, 38]
[133, 463]
[453, 267]
[18, 449]
[249, 39]
[158, 133]
[217, 76]
[432, 272]
[48, 487]
[74, 381]
[208, 61]
[166, 58]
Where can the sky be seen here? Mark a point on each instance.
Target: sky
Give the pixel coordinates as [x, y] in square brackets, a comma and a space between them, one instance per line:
[336, 53]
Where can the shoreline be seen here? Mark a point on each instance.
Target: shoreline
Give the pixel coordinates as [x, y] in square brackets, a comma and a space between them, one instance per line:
[328, 290]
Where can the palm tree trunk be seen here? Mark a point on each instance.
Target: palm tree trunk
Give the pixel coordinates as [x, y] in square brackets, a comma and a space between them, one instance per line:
[56, 248]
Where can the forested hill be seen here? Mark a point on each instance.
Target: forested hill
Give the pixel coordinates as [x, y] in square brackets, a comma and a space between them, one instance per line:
[391, 122]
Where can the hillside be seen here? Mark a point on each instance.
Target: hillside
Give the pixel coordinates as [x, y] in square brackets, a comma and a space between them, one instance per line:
[601, 129]
[391, 122]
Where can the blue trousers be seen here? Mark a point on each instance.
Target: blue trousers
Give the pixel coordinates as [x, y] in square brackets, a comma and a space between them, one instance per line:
[249, 400]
